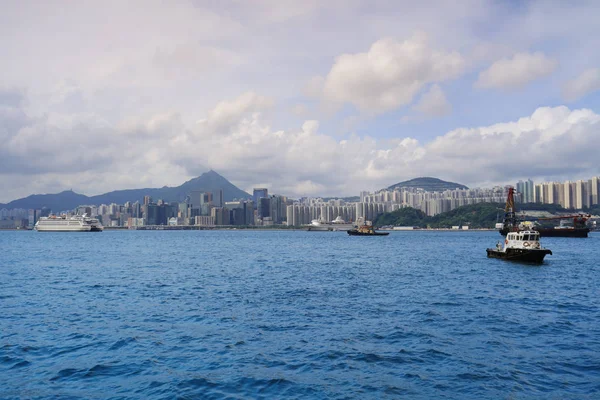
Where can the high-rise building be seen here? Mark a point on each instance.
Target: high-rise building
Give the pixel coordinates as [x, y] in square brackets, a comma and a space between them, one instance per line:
[151, 216]
[569, 194]
[526, 191]
[582, 194]
[220, 215]
[248, 213]
[539, 193]
[260, 193]
[218, 202]
[594, 190]
[264, 207]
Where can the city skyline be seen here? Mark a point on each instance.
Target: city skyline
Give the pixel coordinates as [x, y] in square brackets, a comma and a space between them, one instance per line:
[273, 97]
[529, 191]
[205, 209]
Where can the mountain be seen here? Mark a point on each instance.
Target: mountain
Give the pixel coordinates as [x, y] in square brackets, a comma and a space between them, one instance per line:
[58, 202]
[429, 184]
[207, 182]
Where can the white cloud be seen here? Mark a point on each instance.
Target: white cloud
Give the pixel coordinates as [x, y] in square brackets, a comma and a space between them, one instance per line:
[299, 110]
[390, 74]
[237, 140]
[129, 93]
[433, 103]
[516, 72]
[587, 82]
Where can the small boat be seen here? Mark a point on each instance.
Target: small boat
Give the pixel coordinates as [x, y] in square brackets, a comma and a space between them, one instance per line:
[366, 230]
[520, 246]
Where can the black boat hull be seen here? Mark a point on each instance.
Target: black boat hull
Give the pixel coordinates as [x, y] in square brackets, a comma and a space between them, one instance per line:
[551, 232]
[523, 255]
[357, 233]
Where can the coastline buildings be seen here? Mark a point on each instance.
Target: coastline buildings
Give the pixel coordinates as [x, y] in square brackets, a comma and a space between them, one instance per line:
[204, 209]
[526, 190]
[571, 195]
[303, 212]
[431, 203]
[372, 205]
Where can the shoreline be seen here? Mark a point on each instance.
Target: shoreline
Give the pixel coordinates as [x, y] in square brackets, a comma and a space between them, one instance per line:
[206, 228]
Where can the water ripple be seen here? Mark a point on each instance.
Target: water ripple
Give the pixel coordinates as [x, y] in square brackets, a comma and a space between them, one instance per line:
[243, 314]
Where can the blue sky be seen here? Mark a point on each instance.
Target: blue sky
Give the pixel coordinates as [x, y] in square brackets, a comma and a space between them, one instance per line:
[305, 98]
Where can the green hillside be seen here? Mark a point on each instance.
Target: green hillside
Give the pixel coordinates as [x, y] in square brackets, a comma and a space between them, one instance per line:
[476, 216]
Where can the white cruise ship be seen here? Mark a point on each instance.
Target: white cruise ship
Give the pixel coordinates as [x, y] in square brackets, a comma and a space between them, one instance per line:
[77, 223]
[337, 224]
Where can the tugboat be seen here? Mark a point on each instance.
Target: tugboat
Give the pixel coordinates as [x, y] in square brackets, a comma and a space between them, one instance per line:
[520, 246]
[366, 230]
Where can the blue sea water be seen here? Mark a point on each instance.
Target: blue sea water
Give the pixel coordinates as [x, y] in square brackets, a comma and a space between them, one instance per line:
[294, 314]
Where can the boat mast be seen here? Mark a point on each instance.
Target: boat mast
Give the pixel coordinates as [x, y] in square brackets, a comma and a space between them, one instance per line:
[510, 219]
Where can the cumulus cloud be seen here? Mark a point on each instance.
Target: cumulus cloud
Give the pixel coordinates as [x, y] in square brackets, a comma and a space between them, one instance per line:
[587, 82]
[237, 139]
[390, 74]
[433, 103]
[307, 161]
[516, 72]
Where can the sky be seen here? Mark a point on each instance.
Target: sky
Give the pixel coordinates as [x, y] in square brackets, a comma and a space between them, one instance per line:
[305, 98]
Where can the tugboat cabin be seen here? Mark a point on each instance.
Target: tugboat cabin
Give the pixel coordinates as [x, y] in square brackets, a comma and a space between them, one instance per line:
[523, 240]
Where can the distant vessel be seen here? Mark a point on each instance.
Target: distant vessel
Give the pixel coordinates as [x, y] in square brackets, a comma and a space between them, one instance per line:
[366, 230]
[511, 223]
[338, 224]
[520, 246]
[77, 223]
[579, 228]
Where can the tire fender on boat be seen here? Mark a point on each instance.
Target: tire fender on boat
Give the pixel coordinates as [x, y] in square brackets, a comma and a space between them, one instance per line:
[526, 244]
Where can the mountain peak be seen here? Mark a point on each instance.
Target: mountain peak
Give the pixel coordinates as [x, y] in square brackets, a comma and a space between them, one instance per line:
[209, 181]
[429, 184]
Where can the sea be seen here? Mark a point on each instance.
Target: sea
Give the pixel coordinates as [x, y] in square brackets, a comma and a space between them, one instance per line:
[267, 314]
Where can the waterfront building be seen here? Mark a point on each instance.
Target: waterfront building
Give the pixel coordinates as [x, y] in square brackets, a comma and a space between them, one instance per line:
[218, 201]
[220, 216]
[204, 220]
[263, 208]
[259, 193]
[135, 222]
[289, 212]
[240, 212]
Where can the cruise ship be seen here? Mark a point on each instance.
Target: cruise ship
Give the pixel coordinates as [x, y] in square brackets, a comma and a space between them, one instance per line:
[77, 223]
[337, 224]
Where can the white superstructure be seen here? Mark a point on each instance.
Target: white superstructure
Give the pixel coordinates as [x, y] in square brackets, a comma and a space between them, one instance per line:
[77, 223]
[337, 224]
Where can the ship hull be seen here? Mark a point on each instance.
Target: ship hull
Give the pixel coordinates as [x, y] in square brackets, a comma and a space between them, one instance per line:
[551, 232]
[64, 229]
[522, 255]
[329, 228]
[357, 233]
